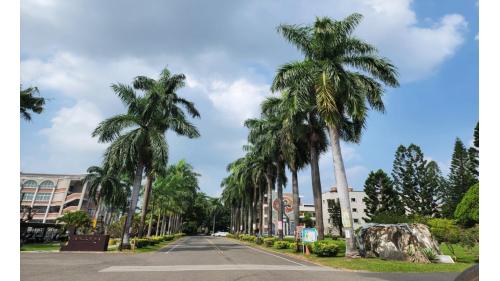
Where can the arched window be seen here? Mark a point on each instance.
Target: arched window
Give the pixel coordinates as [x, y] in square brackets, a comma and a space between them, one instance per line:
[47, 184]
[30, 183]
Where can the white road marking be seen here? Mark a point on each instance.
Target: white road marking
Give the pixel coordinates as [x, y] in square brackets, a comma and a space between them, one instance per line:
[175, 246]
[267, 253]
[223, 267]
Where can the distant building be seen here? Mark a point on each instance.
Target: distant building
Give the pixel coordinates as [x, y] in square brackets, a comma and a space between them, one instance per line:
[52, 195]
[358, 209]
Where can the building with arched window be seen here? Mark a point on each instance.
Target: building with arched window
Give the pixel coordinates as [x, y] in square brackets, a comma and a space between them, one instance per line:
[50, 196]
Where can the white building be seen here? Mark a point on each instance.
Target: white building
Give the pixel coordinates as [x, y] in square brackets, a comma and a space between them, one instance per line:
[358, 209]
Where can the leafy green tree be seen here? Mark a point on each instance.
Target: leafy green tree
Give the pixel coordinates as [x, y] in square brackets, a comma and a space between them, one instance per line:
[467, 211]
[79, 220]
[335, 213]
[459, 181]
[346, 75]
[307, 220]
[408, 173]
[380, 195]
[30, 103]
[445, 231]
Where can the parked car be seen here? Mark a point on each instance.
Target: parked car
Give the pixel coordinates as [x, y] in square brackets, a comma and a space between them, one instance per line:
[220, 234]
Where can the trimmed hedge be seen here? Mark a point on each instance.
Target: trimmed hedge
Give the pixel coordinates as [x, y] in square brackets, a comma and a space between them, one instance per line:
[151, 241]
[269, 242]
[325, 249]
[281, 244]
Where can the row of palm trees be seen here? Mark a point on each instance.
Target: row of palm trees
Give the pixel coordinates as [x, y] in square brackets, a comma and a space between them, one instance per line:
[138, 148]
[324, 98]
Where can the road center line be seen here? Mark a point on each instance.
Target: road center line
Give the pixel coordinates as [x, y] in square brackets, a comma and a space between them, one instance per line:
[219, 251]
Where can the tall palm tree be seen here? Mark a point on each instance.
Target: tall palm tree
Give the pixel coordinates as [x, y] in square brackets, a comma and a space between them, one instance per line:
[164, 100]
[343, 96]
[103, 187]
[294, 137]
[30, 102]
[266, 136]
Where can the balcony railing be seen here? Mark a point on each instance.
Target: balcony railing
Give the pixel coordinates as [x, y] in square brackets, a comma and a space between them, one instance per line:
[70, 209]
[73, 196]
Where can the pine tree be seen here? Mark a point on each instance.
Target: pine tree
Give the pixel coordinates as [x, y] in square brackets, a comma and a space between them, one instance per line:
[409, 177]
[430, 193]
[380, 195]
[474, 154]
[460, 178]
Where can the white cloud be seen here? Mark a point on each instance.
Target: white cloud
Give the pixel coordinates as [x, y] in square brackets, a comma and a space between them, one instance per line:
[238, 100]
[71, 128]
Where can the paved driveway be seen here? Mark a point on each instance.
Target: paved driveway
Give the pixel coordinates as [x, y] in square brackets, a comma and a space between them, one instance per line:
[193, 258]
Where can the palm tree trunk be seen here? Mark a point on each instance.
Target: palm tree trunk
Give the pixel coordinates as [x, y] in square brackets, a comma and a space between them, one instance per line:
[261, 210]
[158, 224]
[280, 199]
[296, 203]
[253, 214]
[316, 187]
[150, 226]
[147, 195]
[269, 205]
[343, 191]
[133, 204]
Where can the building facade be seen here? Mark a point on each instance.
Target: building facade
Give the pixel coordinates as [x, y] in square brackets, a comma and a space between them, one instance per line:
[51, 195]
[358, 209]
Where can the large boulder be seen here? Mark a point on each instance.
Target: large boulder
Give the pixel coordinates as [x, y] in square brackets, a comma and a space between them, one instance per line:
[396, 241]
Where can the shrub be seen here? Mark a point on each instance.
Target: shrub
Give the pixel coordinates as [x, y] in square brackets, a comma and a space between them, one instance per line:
[259, 240]
[292, 245]
[230, 235]
[389, 218]
[281, 244]
[289, 239]
[429, 253]
[467, 211]
[113, 241]
[445, 231]
[269, 242]
[325, 249]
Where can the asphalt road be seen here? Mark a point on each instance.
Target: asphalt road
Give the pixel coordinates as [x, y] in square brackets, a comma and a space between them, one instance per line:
[194, 258]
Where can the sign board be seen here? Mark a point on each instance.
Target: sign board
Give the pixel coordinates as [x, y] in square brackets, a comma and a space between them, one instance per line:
[280, 225]
[298, 232]
[309, 235]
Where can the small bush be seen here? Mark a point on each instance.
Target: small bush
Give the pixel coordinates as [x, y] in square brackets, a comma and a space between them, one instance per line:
[281, 244]
[230, 235]
[429, 253]
[325, 249]
[289, 239]
[292, 245]
[259, 240]
[114, 241]
[269, 242]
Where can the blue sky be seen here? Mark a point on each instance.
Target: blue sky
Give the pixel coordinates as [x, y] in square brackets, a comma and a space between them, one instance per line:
[74, 50]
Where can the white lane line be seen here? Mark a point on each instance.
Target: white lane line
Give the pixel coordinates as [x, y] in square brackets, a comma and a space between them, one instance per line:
[267, 253]
[264, 252]
[175, 246]
[217, 267]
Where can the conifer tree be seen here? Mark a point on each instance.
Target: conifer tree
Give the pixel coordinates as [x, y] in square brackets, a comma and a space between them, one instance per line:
[409, 169]
[335, 214]
[380, 195]
[431, 190]
[460, 178]
[474, 154]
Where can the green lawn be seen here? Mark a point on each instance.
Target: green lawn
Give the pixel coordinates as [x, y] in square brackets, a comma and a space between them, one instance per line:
[465, 259]
[41, 247]
[51, 247]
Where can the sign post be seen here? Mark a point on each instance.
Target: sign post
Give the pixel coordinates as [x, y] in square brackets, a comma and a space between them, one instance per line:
[309, 235]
